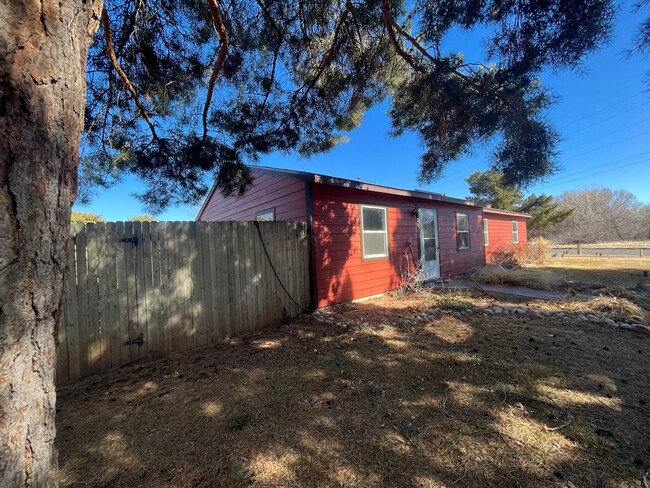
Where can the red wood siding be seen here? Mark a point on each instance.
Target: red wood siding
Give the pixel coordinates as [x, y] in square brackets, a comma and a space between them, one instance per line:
[500, 233]
[285, 193]
[341, 272]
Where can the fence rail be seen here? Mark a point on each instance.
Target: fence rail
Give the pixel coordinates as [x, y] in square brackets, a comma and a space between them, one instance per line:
[140, 291]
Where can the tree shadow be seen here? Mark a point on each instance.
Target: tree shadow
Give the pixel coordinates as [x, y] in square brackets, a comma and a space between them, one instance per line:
[468, 400]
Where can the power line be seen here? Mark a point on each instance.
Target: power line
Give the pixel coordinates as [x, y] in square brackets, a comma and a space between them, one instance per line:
[588, 176]
[606, 134]
[561, 177]
[602, 109]
[607, 145]
[636, 107]
[542, 186]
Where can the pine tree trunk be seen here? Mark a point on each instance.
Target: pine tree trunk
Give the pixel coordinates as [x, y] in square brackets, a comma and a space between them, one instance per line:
[43, 52]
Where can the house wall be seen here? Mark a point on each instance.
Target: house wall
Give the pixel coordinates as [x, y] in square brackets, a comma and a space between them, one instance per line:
[341, 272]
[500, 233]
[285, 193]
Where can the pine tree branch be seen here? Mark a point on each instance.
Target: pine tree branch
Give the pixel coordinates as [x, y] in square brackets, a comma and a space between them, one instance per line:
[327, 59]
[221, 58]
[125, 79]
[389, 21]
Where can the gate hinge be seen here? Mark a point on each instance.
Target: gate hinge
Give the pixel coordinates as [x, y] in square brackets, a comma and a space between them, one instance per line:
[132, 240]
[138, 340]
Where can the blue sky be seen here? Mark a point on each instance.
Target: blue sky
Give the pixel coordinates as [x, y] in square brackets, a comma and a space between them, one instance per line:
[603, 115]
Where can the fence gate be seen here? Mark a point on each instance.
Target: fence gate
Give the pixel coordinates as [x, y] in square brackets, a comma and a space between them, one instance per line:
[140, 291]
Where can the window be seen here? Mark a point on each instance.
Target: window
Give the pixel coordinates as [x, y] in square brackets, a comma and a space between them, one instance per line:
[515, 232]
[374, 233]
[462, 231]
[266, 215]
[486, 236]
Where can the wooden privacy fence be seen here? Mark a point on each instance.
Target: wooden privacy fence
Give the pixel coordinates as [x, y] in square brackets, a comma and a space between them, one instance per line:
[140, 291]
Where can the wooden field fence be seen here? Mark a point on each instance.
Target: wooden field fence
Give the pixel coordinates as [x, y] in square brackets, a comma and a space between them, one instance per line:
[140, 291]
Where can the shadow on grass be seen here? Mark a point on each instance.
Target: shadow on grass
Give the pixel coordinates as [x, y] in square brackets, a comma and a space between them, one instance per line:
[464, 401]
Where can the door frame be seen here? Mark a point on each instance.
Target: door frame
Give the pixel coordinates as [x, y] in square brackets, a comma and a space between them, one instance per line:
[436, 273]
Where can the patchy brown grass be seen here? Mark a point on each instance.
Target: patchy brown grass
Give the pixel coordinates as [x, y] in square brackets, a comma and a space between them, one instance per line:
[579, 273]
[611, 306]
[606, 245]
[466, 400]
[495, 274]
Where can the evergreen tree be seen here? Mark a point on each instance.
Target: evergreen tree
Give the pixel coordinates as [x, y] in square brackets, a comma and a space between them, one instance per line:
[489, 187]
[142, 218]
[85, 217]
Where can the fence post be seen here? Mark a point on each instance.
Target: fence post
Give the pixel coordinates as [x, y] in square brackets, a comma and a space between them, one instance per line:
[579, 247]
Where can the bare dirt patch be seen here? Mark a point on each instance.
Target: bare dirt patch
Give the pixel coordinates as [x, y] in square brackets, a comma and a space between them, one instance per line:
[380, 399]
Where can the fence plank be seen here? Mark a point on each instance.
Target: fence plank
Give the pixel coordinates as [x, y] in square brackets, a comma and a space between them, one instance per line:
[112, 297]
[155, 310]
[166, 269]
[131, 293]
[122, 267]
[185, 275]
[92, 258]
[245, 277]
[203, 233]
[222, 270]
[271, 305]
[147, 294]
[72, 314]
[198, 286]
[175, 288]
[103, 266]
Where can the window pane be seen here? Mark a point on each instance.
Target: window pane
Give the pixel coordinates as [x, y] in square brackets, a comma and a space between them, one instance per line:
[515, 226]
[428, 225]
[374, 244]
[462, 222]
[486, 235]
[265, 216]
[430, 250]
[463, 240]
[374, 219]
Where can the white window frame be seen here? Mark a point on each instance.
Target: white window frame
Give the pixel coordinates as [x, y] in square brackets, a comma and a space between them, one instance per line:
[384, 232]
[486, 232]
[515, 232]
[469, 236]
[264, 212]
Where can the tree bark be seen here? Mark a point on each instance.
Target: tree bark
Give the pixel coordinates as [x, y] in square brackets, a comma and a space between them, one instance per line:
[43, 52]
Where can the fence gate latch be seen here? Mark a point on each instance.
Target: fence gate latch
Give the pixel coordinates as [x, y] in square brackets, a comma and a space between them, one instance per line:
[132, 240]
[138, 340]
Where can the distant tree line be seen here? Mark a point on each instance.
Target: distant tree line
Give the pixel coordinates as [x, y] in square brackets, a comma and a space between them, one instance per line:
[93, 218]
[588, 215]
[602, 215]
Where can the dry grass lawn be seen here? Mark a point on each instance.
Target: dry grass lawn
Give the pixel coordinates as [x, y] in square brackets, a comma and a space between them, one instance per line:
[580, 273]
[597, 272]
[606, 245]
[467, 400]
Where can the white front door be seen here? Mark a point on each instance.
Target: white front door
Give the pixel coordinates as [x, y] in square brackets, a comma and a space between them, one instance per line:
[429, 244]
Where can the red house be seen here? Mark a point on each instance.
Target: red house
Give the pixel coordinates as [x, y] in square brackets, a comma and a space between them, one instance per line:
[364, 236]
[503, 231]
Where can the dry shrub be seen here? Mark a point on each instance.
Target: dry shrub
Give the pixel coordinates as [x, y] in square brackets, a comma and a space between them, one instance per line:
[411, 277]
[534, 252]
[496, 274]
[618, 307]
[509, 255]
[537, 251]
[612, 306]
